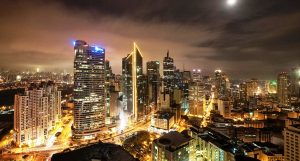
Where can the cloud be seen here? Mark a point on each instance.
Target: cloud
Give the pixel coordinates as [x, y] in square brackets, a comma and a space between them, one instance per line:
[254, 39]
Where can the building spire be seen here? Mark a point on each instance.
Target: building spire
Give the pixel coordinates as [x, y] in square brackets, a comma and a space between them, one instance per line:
[168, 53]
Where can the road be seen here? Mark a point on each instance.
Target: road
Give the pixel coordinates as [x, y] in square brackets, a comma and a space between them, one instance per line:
[63, 141]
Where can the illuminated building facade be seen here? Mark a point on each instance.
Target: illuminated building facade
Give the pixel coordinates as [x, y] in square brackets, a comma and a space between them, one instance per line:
[251, 87]
[108, 84]
[89, 90]
[36, 113]
[164, 99]
[210, 145]
[283, 93]
[168, 75]
[196, 95]
[243, 91]
[292, 142]
[295, 82]
[153, 83]
[186, 81]
[173, 146]
[134, 83]
[196, 75]
[163, 120]
[221, 83]
[225, 106]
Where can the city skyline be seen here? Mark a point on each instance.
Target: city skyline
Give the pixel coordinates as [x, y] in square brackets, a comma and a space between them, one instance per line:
[236, 42]
[146, 80]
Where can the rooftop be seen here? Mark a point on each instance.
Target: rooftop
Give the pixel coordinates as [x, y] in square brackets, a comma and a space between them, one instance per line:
[164, 115]
[173, 140]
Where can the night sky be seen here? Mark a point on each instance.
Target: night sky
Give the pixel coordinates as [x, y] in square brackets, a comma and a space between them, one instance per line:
[254, 38]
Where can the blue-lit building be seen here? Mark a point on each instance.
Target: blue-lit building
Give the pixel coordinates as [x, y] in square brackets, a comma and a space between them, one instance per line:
[89, 90]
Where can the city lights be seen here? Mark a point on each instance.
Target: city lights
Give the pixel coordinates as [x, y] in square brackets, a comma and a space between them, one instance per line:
[213, 81]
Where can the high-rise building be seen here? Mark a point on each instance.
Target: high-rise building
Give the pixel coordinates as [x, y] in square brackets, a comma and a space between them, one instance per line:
[153, 82]
[196, 95]
[221, 83]
[196, 75]
[292, 142]
[187, 79]
[225, 107]
[251, 87]
[134, 83]
[283, 89]
[89, 90]
[295, 82]
[243, 91]
[109, 80]
[36, 113]
[168, 74]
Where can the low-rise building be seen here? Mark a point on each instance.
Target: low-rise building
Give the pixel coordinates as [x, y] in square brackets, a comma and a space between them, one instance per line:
[173, 146]
[163, 120]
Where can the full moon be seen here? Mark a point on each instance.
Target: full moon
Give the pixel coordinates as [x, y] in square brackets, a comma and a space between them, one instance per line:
[231, 2]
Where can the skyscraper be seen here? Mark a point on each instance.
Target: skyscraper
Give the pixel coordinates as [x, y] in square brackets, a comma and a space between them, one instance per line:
[283, 89]
[196, 75]
[295, 82]
[221, 83]
[89, 90]
[134, 82]
[153, 82]
[36, 112]
[251, 87]
[168, 74]
[108, 84]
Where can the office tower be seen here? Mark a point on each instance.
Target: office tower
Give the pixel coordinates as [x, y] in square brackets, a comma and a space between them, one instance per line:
[173, 146]
[108, 71]
[283, 89]
[36, 113]
[187, 79]
[295, 82]
[251, 87]
[292, 142]
[178, 79]
[89, 90]
[225, 107]
[108, 84]
[168, 74]
[196, 95]
[153, 82]
[243, 91]
[196, 75]
[221, 83]
[134, 82]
